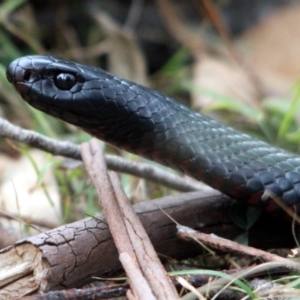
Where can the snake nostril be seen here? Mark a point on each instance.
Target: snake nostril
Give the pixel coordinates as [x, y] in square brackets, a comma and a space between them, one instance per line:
[30, 76]
[27, 75]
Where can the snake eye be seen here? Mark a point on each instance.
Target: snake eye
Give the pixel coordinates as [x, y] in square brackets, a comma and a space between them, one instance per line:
[65, 81]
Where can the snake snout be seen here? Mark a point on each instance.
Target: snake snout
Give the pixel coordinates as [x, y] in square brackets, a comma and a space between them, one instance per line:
[10, 71]
[19, 74]
[26, 69]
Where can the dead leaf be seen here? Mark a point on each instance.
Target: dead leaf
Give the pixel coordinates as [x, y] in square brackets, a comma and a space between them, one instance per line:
[272, 48]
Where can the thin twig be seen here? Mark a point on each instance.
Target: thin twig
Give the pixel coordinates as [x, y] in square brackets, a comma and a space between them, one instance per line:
[28, 221]
[99, 292]
[95, 165]
[140, 287]
[115, 163]
[146, 256]
[227, 245]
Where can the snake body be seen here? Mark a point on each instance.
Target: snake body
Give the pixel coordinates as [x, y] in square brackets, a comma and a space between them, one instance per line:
[153, 125]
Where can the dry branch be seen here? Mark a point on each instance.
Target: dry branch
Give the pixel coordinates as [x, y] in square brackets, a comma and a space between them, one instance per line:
[147, 277]
[115, 163]
[109, 190]
[68, 256]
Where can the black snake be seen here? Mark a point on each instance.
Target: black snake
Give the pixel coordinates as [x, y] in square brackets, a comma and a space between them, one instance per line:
[153, 125]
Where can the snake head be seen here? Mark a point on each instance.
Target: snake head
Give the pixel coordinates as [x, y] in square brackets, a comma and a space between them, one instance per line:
[65, 90]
